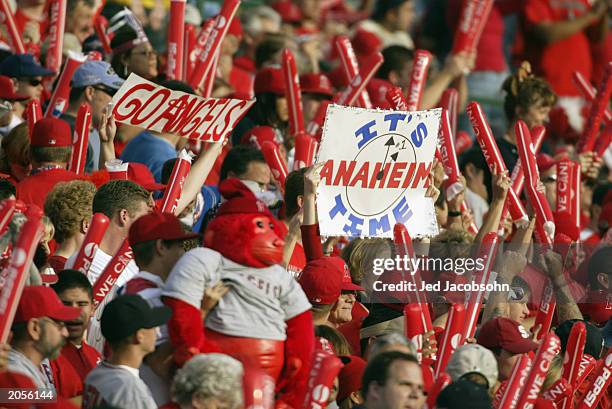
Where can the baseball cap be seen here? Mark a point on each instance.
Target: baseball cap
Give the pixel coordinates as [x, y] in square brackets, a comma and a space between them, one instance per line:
[594, 338]
[597, 306]
[258, 135]
[473, 358]
[23, 66]
[289, 12]
[126, 314]
[321, 281]
[350, 376]
[7, 90]
[96, 73]
[141, 175]
[40, 301]
[313, 83]
[51, 133]
[545, 162]
[269, 80]
[464, 395]
[154, 226]
[506, 334]
[347, 281]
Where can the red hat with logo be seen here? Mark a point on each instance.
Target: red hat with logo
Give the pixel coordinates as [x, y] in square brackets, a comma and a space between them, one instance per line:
[41, 301]
[378, 88]
[240, 199]
[506, 334]
[7, 90]
[141, 175]
[597, 306]
[270, 80]
[289, 12]
[322, 281]
[316, 84]
[155, 226]
[51, 133]
[347, 281]
[350, 376]
[258, 135]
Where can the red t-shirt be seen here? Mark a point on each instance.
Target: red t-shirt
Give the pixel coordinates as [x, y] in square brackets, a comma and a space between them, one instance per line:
[34, 188]
[56, 262]
[71, 368]
[557, 62]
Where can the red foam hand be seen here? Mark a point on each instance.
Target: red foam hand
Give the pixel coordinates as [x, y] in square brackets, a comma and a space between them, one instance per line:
[487, 252]
[189, 41]
[603, 142]
[104, 284]
[415, 324]
[564, 185]
[573, 357]
[515, 383]
[589, 92]
[587, 365]
[442, 381]
[418, 78]
[450, 102]
[575, 191]
[449, 158]
[15, 273]
[258, 388]
[199, 44]
[205, 64]
[558, 391]
[600, 103]
[33, 114]
[177, 179]
[351, 67]
[452, 337]
[91, 242]
[276, 162]
[472, 20]
[61, 93]
[305, 151]
[57, 24]
[6, 16]
[404, 248]
[293, 93]
[544, 220]
[599, 385]
[548, 349]
[80, 140]
[176, 40]
[493, 157]
[325, 367]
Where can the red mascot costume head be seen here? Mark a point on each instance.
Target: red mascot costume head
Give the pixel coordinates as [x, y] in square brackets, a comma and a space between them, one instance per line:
[244, 230]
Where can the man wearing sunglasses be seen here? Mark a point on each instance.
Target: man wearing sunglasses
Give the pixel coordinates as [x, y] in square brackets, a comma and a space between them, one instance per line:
[39, 332]
[8, 95]
[27, 75]
[93, 83]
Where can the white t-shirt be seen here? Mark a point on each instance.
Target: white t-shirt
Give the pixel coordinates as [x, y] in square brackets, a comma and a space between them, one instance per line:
[258, 304]
[477, 205]
[99, 263]
[116, 385]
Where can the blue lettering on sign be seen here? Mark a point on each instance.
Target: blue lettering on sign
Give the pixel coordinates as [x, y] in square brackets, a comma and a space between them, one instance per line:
[338, 208]
[353, 229]
[376, 225]
[394, 119]
[402, 212]
[366, 133]
[419, 134]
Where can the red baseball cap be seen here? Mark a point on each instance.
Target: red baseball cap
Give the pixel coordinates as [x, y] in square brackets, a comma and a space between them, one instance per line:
[258, 135]
[154, 226]
[506, 334]
[545, 162]
[365, 42]
[316, 84]
[270, 80]
[378, 88]
[321, 280]
[350, 376]
[141, 175]
[597, 306]
[289, 12]
[40, 301]
[51, 133]
[347, 281]
[7, 90]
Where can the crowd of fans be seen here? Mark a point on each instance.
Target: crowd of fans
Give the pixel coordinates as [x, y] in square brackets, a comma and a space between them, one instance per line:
[142, 346]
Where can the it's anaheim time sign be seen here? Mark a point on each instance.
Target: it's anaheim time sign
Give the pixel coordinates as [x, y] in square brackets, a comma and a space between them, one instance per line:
[376, 172]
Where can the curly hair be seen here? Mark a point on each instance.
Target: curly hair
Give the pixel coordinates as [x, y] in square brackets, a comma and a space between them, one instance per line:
[524, 90]
[15, 148]
[116, 195]
[209, 376]
[68, 205]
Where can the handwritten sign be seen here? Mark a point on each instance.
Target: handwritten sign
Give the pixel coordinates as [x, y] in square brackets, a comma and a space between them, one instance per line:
[150, 106]
[376, 172]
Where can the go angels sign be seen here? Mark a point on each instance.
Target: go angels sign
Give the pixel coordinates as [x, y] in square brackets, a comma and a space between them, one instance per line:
[376, 172]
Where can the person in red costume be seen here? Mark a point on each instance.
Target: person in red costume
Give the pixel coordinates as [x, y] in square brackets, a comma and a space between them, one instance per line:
[265, 318]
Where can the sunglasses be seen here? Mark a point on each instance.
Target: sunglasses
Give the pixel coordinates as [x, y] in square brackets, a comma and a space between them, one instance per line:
[108, 91]
[35, 82]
